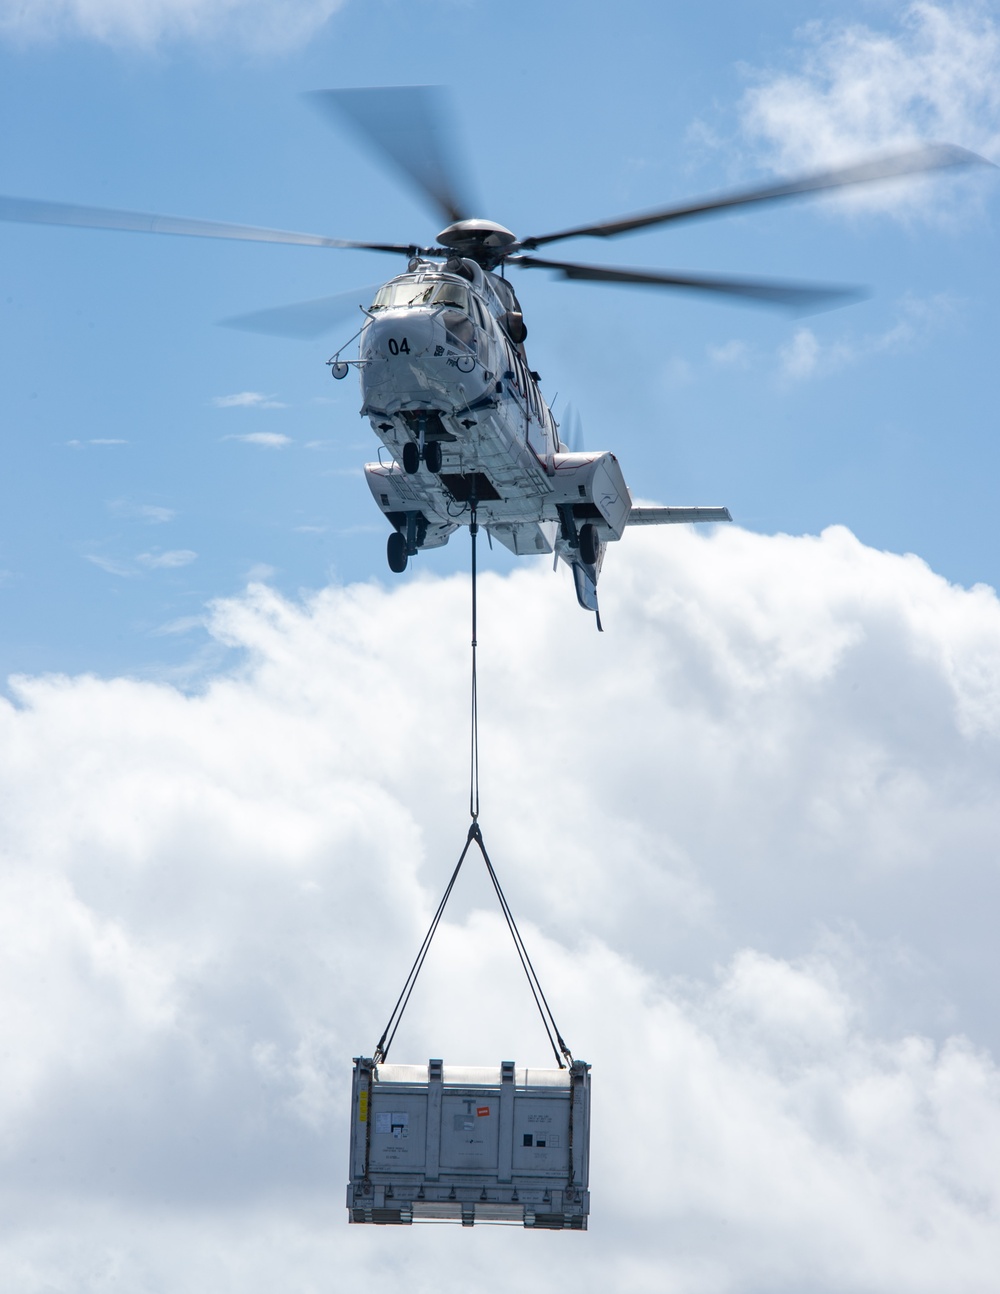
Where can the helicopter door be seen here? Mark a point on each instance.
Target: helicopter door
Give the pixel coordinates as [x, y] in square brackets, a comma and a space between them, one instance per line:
[485, 331]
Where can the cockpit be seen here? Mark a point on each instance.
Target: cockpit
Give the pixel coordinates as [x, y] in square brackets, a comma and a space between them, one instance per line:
[422, 292]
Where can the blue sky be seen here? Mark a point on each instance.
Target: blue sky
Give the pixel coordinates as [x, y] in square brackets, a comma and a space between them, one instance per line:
[754, 845]
[877, 416]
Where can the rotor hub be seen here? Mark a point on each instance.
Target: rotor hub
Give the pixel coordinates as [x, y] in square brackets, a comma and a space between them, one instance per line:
[480, 240]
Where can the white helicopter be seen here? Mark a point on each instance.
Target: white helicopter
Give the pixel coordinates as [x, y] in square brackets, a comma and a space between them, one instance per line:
[445, 380]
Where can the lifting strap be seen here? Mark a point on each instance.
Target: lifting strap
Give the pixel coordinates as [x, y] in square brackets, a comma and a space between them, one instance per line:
[474, 750]
[560, 1050]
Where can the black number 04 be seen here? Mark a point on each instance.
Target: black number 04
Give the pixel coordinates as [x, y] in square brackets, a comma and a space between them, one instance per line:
[399, 347]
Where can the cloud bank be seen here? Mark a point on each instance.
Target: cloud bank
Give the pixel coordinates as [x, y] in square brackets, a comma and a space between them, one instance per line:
[859, 91]
[749, 834]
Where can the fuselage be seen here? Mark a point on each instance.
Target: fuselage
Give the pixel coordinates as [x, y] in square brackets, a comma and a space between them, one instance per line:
[447, 388]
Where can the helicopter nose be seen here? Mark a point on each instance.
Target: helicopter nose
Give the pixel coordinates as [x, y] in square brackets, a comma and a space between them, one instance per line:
[402, 334]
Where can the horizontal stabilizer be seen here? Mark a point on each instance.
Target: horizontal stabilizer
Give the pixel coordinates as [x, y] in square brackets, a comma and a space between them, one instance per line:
[674, 516]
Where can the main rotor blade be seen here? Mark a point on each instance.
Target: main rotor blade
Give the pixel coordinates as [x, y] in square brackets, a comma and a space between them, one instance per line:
[408, 125]
[800, 297]
[932, 157]
[306, 319]
[34, 212]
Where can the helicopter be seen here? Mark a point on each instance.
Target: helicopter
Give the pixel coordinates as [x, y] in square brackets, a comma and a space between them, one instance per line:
[445, 380]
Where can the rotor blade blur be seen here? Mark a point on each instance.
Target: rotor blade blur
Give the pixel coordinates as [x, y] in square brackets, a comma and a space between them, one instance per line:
[803, 298]
[32, 211]
[306, 319]
[932, 157]
[408, 126]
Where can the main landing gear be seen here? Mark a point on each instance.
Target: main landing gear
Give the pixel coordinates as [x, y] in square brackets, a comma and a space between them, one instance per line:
[590, 544]
[585, 539]
[406, 540]
[411, 457]
[396, 551]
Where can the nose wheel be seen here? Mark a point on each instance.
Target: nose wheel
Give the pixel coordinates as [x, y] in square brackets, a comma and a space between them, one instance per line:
[411, 457]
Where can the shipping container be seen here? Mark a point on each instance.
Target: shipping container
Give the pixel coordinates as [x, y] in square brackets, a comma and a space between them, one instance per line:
[445, 1142]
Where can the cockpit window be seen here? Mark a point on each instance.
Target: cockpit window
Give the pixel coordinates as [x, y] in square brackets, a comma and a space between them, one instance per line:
[404, 294]
[452, 294]
[422, 292]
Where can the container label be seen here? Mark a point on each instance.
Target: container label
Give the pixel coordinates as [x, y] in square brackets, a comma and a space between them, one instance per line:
[482, 1111]
[363, 1106]
[393, 1124]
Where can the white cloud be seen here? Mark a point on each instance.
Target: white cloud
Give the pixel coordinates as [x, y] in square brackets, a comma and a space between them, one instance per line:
[152, 513]
[858, 91]
[170, 559]
[730, 354]
[268, 439]
[181, 625]
[800, 357]
[110, 564]
[259, 24]
[749, 834]
[247, 400]
[260, 572]
[167, 560]
[916, 319]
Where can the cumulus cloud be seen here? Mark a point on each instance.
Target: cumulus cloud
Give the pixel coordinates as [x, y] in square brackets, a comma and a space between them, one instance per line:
[749, 833]
[859, 91]
[259, 24]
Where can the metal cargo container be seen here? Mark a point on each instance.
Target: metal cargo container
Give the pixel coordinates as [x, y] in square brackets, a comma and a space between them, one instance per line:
[470, 1145]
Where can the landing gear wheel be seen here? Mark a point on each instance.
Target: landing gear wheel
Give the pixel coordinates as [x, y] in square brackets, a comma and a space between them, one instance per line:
[590, 545]
[432, 456]
[395, 551]
[411, 457]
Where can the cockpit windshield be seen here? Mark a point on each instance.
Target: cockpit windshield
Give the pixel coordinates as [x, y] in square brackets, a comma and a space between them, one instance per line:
[422, 292]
